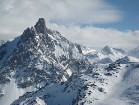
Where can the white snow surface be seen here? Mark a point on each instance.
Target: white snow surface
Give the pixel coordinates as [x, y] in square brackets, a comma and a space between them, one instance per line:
[12, 92]
[104, 55]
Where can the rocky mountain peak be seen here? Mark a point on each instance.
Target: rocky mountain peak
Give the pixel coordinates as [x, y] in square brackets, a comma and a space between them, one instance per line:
[40, 25]
[106, 48]
[35, 30]
[42, 55]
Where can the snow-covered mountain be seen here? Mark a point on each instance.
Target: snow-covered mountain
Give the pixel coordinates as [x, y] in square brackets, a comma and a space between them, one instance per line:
[113, 84]
[38, 57]
[135, 52]
[104, 55]
[41, 67]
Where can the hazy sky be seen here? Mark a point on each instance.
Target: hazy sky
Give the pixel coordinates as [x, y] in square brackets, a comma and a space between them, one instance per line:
[130, 13]
[94, 23]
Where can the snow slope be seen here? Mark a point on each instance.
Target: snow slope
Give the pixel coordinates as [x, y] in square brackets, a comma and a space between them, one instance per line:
[12, 92]
[126, 91]
[99, 85]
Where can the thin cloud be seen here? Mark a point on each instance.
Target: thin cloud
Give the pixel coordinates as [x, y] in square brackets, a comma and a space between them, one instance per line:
[99, 37]
[16, 15]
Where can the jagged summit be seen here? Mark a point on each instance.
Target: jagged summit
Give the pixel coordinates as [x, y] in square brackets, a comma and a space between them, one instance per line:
[38, 29]
[38, 49]
[39, 57]
[40, 25]
[41, 21]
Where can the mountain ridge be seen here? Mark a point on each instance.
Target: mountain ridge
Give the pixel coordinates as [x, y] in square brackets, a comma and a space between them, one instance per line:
[134, 52]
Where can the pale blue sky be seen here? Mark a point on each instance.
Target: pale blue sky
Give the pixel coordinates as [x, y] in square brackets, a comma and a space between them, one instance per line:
[130, 15]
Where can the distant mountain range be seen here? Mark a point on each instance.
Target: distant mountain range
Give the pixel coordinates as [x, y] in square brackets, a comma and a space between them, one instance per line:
[41, 67]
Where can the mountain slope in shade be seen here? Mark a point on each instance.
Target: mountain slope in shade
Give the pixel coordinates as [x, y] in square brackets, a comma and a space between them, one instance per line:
[135, 52]
[2, 41]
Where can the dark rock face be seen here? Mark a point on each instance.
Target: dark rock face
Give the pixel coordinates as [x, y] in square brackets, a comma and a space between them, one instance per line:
[40, 26]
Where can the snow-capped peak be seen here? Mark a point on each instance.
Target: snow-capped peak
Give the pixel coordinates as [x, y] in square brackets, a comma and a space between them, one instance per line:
[107, 50]
[39, 57]
[39, 48]
[104, 55]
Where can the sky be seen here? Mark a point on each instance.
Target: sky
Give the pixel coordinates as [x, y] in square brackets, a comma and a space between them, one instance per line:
[93, 23]
[130, 13]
